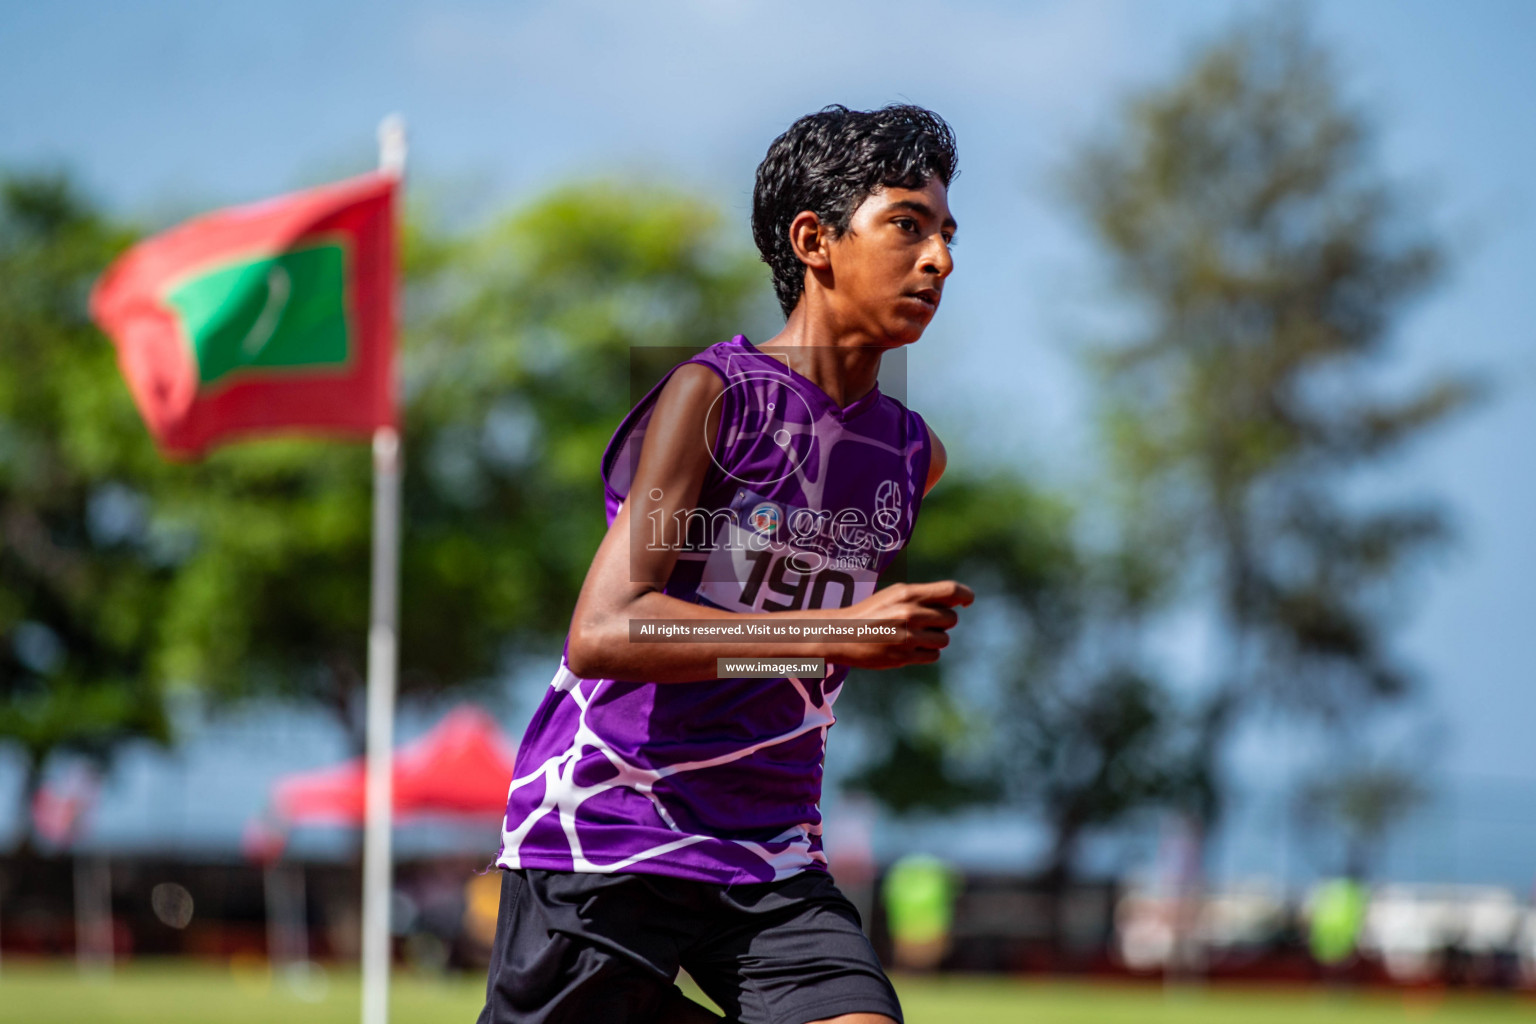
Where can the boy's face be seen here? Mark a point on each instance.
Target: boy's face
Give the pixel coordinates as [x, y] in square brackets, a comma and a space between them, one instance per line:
[888, 269]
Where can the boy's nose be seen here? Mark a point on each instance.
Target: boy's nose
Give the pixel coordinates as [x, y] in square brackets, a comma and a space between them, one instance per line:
[938, 260]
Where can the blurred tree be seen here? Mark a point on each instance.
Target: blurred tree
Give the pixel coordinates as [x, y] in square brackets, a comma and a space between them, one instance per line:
[1270, 260]
[1091, 750]
[1357, 807]
[516, 372]
[1068, 719]
[933, 743]
[83, 568]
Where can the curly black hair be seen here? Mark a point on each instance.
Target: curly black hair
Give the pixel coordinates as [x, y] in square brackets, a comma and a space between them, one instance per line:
[829, 162]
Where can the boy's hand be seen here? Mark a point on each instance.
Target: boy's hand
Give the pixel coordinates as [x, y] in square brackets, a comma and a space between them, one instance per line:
[923, 611]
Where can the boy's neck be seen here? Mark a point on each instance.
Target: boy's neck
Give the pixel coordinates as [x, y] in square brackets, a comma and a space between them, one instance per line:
[843, 364]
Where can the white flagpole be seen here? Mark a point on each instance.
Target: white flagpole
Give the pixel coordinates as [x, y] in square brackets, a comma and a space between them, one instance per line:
[383, 646]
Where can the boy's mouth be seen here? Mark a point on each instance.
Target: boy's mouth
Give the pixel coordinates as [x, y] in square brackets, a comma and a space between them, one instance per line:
[927, 296]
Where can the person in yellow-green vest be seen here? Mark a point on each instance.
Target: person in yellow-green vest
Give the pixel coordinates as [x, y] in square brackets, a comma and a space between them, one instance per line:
[919, 894]
[1338, 914]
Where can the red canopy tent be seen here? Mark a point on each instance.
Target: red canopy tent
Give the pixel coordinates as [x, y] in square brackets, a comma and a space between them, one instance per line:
[463, 766]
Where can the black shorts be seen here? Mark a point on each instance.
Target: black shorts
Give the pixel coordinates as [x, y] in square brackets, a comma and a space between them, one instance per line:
[605, 949]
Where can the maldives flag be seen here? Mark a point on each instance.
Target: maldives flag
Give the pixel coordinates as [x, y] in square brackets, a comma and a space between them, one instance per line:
[277, 316]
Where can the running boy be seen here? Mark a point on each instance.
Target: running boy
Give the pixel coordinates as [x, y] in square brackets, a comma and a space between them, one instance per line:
[662, 817]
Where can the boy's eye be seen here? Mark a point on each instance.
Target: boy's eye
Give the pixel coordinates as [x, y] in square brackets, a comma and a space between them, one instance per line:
[906, 223]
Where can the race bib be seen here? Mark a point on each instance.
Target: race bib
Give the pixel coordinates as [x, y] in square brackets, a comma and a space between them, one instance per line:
[750, 570]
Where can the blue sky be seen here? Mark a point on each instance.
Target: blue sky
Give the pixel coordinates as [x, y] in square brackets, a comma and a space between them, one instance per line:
[167, 108]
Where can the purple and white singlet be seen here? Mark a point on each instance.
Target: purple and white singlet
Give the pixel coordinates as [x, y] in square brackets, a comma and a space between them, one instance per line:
[720, 780]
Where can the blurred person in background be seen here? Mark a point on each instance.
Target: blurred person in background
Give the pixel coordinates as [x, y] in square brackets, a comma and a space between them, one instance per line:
[1337, 916]
[919, 894]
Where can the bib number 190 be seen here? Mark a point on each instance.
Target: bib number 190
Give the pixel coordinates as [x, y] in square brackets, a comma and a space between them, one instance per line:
[809, 590]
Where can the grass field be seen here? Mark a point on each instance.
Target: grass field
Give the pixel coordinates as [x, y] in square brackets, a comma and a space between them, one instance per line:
[178, 993]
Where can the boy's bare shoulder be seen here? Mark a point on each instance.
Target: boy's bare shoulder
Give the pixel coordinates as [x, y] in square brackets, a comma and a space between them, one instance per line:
[692, 380]
[687, 412]
[688, 396]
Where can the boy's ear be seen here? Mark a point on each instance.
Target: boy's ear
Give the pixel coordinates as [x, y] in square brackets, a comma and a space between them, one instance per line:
[809, 238]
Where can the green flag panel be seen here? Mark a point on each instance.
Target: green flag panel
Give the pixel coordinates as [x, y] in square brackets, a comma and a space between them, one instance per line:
[287, 310]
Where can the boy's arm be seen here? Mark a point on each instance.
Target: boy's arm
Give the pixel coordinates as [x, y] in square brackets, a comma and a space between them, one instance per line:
[936, 462]
[625, 583]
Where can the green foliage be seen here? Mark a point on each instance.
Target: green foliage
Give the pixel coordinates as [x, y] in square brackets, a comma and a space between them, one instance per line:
[1242, 212]
[82, 573]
